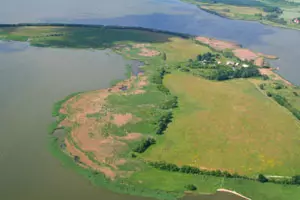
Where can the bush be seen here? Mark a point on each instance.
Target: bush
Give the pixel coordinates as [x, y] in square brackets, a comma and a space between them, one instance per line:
[269, 94]
[191, 187]
[261, 178]
[296, 94]
[262, 86]
[296, 180]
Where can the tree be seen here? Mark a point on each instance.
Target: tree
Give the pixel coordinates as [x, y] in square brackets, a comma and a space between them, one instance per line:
[296, 179]
[261, 178]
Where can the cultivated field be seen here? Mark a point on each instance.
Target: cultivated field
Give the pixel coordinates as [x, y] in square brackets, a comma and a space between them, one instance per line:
[228, 125]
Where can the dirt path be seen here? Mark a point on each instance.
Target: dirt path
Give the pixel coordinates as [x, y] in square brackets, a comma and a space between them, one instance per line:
[233, 192]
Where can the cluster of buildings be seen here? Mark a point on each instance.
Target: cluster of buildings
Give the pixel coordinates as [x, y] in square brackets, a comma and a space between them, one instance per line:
[231, 63]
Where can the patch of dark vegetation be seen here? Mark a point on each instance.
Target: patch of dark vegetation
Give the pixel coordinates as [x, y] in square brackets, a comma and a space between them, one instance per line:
[77, 159]
[284, 102]
[163, 122]
[261, 178]
[93, 36]
[190, 187]
[144, 145]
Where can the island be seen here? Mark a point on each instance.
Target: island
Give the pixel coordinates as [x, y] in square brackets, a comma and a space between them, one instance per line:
[200, 115]
[282, 13]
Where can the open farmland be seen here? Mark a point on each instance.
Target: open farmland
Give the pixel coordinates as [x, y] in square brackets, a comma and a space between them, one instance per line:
[228, 125]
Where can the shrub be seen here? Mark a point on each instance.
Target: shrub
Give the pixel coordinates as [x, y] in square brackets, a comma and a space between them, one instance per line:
[269, 94]
[191, 187]
[296, 180]
[163, 89]
[262, 86]
[296, 94]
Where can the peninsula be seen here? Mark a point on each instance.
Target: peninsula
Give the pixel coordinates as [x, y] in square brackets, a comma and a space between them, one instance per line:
[200, 115]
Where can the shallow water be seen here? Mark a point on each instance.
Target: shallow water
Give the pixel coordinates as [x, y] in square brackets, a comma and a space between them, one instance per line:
[30, 82]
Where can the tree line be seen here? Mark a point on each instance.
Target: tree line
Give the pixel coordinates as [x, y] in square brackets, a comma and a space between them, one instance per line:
[294, 180]
[144, 145]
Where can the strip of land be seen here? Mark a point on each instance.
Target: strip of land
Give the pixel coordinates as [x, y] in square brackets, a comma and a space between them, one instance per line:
[282, 13]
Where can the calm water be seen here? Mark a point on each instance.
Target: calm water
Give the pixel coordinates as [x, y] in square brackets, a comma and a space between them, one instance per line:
[162, 14]
[32, 79]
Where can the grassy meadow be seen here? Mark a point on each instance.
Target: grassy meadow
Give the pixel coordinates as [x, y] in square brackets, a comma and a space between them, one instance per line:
[170, 181]
[228, 125]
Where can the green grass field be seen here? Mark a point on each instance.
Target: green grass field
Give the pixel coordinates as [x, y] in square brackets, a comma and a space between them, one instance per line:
[228, 125]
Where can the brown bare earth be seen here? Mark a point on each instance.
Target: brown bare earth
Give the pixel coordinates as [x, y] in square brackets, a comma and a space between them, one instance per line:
[259, 61]
[245, 54]
[273, 75]
[144, 51]
[218, 44]
[88, 138]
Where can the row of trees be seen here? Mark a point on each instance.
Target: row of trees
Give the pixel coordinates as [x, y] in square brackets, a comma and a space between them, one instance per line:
[144, 145]
[221, 72]
[284, 102]
[192, 170]
[163, 122]
[294, 180]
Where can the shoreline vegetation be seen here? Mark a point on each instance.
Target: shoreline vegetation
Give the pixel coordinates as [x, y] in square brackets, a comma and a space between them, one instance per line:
[111, 135]
[278, 13]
